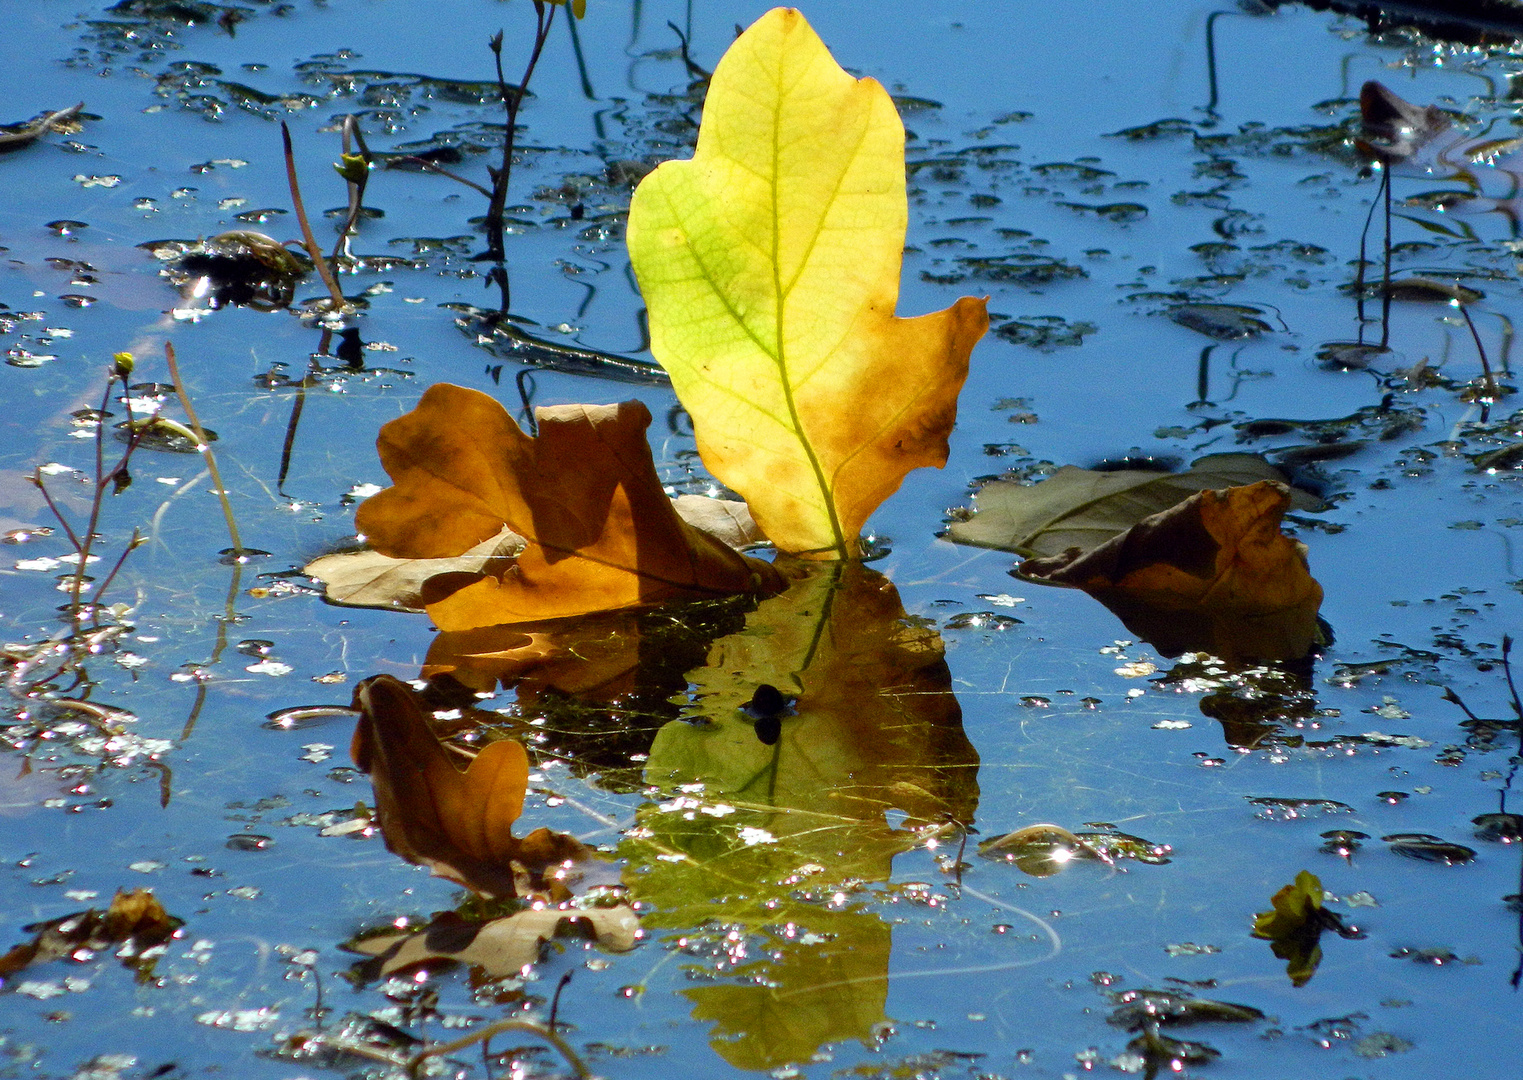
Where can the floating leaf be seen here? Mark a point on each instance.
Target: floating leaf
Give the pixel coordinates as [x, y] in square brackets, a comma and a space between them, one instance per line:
[1082, 508]
[1295, 923]
[1212, 574]
[770, 264]
[600, 533]
[370, 579]
[457, 822]
[500, 948]
[135, 921]
[1039, 850]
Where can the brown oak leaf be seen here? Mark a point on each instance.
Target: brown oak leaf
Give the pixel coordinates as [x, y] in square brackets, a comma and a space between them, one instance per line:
[600, 533]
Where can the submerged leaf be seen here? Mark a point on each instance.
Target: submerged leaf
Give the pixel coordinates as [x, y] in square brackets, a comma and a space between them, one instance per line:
[1224, 322]
[1083, 508]
[1212, 574]
[457, 822]
[600, 533]
[770, 264]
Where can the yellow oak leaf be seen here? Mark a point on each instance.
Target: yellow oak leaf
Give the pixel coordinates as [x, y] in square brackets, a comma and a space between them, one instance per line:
[599, 532]
[770, 266]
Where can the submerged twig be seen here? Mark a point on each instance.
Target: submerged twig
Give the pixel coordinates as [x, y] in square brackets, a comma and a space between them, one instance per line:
[442, 1049]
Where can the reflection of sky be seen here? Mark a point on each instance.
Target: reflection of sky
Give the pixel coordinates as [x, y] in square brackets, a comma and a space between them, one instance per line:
[1082, 69]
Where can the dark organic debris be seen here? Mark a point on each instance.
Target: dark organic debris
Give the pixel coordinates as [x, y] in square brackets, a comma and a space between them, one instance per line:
[15, 136]
[1428, 848]
[1224, 322]
[505, 339]
[135, 921]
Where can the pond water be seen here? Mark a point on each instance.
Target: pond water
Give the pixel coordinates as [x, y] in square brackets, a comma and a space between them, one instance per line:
[1096, 172]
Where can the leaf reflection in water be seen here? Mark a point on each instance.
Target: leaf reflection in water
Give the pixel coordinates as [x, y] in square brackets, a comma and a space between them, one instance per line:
[457, 822]
[766, 847]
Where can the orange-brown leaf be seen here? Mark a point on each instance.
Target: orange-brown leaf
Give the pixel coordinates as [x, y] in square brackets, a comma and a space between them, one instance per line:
[1213, 573]
[600, 532]
[457, 822]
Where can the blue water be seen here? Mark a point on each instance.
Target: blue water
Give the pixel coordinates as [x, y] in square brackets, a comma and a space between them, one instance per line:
[1421, 572]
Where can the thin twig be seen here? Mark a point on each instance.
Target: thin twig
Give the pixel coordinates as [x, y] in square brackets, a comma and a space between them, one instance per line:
[204, 447]
[308, 240]
[137, 541]
[424, 163]
[442, 1049]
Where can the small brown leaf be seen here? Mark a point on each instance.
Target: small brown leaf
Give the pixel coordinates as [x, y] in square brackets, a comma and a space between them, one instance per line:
[600, 533]
[136, 917]
[457, 822]
[1392, 129]
[1212, 574]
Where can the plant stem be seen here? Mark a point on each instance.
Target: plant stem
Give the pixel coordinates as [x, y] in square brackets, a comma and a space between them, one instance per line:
[543, 20]
[308, 240]
[356, 190]
[204, 446]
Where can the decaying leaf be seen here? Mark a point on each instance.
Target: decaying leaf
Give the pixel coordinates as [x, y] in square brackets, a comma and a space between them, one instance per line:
[1211, 574]
[366, 578]
[1392, 129]
[135, 924]
[1043, 850]
[15, 136]
[501, 948]
[1082, 508]
[770, 265]
[724, 519]
[599, 532]
[455, 821]
[369, 579]
[1294, 926]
